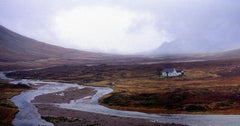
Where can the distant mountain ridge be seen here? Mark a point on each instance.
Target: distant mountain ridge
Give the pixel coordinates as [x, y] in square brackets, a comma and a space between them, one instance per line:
[15, 47]
[190, 46]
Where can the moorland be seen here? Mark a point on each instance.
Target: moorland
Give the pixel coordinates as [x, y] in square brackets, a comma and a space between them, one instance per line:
[207, 87]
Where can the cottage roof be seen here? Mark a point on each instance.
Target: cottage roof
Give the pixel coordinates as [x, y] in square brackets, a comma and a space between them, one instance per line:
[179, 71]
[169, 70]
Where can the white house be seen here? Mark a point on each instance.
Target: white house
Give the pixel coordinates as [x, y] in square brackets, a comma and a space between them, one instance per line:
[172, 72]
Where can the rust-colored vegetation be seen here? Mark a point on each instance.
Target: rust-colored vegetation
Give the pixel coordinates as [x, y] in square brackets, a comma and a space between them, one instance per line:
[207, 86]
[7, 108]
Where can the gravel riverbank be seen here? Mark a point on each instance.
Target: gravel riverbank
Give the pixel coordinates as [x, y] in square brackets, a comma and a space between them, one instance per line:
[67, 117]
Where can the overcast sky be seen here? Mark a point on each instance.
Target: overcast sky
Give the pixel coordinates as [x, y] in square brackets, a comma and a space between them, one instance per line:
[127, 26]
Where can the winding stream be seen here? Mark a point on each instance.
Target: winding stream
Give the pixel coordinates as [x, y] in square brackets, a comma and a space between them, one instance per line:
[28, 115]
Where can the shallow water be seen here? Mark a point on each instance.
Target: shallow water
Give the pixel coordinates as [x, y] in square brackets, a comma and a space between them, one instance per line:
[28, 114]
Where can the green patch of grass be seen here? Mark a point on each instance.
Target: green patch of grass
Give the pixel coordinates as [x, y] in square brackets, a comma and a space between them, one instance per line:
[137, 100]
[59, 119]
[5, 95]
[116, 99]
[222, 105]
[7, 103]
[101, 84]
[195, 108]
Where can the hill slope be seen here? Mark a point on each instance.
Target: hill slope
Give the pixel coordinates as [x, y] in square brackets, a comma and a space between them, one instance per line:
[15, 47]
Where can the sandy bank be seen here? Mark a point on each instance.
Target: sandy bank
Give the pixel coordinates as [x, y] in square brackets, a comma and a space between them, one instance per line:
[64, 96]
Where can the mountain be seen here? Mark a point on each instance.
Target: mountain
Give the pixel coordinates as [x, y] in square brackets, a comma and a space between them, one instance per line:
[15, 47]
[231, 54]
[194, 46]
[175, 47]
[179, 49]
[189, 57]
[20, 52]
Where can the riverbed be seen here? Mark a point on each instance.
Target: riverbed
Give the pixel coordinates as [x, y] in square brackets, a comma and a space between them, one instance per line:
[28, 114]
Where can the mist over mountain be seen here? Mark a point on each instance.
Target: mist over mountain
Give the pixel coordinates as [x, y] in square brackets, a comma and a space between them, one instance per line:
[184, 47]
[128, 27]
[15, 47]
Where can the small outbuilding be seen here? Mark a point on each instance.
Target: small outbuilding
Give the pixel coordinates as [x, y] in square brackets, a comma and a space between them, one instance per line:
[172, 72]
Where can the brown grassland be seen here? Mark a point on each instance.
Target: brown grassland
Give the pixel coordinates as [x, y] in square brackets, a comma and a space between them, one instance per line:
[7, 108]
[208, 87]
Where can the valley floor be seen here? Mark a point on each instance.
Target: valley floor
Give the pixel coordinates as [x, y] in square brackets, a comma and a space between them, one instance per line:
[208, 87]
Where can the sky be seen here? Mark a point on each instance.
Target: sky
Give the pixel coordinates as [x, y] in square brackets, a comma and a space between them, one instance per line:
[127, 26]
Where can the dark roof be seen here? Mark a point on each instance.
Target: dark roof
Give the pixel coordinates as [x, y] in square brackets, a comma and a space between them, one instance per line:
[179, 71]
[168, 70]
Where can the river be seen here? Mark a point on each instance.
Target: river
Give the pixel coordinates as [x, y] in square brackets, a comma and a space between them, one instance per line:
[28, 115]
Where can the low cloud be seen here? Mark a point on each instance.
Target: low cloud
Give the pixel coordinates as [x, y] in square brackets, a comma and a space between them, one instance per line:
[108, 29]
[126, 26]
